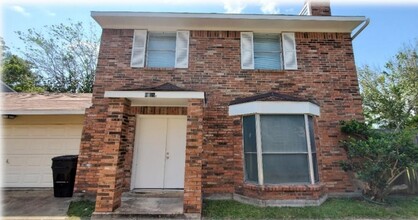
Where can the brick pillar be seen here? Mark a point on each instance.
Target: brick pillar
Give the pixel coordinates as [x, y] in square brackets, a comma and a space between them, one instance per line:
[194, 148]
[111, 172]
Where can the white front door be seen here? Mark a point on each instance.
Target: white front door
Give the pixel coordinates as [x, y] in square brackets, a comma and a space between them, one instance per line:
[160, 145]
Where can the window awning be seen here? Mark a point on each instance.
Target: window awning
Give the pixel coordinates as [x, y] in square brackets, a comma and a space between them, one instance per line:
[273, 103]
[164, 95]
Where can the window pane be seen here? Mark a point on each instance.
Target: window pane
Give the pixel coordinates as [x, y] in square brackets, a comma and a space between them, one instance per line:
[249, 134]
[267, 51]
[160, 58]
[283, 133]
[269, 61]
[161, 49]
[162, 41]
[315, 167]
[285, 168]
[311, 133]
[251, 170]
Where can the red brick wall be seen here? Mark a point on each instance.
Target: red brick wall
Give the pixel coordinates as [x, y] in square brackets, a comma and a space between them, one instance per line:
[284, 192]
[326, 72]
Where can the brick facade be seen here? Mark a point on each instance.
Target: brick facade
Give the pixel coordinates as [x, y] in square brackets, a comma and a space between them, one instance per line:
[214, 154]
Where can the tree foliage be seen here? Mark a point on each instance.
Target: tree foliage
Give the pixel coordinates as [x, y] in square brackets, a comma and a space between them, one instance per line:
[65, 55]
[17, 74]
[390, 97]
[378, 157]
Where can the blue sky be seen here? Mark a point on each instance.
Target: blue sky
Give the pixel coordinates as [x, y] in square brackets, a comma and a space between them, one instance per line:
[391, 26]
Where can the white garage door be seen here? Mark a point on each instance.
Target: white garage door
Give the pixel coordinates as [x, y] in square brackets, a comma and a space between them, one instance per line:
[28, 149]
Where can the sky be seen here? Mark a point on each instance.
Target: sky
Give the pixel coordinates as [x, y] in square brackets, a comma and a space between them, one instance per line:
[392, 25]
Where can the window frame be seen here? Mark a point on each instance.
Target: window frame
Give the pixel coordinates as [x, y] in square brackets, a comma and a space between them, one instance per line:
[260, 170]
[280, 51]
[146, 56]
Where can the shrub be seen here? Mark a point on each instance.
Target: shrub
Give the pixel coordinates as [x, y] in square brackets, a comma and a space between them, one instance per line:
[378, 157]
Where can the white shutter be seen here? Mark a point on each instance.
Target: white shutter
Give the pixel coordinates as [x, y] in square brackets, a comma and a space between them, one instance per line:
[247, 51]
[138, 48]
[289, 51]
[182, 49]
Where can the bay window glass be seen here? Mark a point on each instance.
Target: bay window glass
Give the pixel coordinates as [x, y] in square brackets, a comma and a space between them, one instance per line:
[250, 149]
[284, 149]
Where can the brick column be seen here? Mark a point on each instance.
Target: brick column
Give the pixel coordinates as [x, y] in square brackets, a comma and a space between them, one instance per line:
[111, 172]
[194, 148]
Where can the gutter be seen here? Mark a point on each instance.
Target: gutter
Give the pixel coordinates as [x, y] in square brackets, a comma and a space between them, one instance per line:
[365, 23]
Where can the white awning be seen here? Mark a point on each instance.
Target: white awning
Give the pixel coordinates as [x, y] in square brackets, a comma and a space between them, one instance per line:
[156, 98]
[274, 107]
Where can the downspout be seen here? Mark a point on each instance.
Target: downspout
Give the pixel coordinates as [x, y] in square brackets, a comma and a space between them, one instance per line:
[367, 21]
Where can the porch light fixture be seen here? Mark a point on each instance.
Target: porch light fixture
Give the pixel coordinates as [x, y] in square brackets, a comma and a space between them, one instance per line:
[9, 116]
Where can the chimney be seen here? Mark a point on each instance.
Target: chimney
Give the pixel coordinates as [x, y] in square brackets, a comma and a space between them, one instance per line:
[316, 8]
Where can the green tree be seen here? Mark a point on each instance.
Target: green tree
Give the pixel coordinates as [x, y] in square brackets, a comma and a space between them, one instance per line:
[378, 157]
[65, 55]
[17, 74]
[390, 97]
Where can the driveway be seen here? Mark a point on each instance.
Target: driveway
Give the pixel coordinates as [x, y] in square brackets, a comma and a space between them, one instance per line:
[34, 204]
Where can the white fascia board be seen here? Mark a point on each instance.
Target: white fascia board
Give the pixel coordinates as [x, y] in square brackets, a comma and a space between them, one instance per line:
[264, 107]
[230, 22]
[158, 94]
[43, 112]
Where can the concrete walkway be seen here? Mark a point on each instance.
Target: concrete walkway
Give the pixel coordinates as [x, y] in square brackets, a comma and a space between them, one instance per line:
[33, 204]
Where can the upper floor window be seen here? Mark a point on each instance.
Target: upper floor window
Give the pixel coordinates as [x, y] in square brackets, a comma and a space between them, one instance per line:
[160, 49]
[268, 51]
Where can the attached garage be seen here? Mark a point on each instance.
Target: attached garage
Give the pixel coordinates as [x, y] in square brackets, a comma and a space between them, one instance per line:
[36, 128]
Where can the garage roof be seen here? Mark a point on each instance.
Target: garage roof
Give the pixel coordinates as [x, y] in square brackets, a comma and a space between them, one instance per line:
[45, 104]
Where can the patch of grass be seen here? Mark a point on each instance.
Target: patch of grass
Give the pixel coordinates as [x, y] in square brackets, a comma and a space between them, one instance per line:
[332, 208]
[83, 208]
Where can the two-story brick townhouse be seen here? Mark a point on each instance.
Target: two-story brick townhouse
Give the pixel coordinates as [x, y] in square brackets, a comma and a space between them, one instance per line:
[230, 105]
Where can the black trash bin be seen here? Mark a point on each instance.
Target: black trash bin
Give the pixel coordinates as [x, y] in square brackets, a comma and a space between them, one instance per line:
[63, 172]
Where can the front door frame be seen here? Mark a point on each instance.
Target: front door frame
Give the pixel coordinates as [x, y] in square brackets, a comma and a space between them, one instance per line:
[136, 145]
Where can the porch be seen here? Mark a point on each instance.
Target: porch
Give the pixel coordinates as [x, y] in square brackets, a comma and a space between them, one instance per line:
[153, 140]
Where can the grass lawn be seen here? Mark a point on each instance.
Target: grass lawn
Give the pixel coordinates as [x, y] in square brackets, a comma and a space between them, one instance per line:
[400, 208]
[82, 209]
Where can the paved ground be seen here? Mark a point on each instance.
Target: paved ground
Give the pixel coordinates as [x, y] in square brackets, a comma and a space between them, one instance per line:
[33, 204]
[41, 204]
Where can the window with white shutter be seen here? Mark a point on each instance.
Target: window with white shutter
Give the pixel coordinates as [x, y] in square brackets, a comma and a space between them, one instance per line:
[138, 48]
[268, 51]
[289, 51]
[247, 52]
[160, 49]
[182, 49]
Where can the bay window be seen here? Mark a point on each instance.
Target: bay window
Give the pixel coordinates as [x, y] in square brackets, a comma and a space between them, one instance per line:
[279, 149]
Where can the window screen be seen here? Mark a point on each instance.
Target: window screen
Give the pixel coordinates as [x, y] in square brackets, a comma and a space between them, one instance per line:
[267, 51]
[161, 49]
[284, 146]
[250, 148]
[313, 148]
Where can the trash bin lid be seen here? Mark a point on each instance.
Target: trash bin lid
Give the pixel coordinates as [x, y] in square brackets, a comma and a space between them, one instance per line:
[65, 158]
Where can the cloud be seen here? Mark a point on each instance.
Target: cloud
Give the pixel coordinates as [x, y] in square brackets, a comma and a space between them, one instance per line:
[20, 10]
[50, 13]
[269, 7]
[234, 6]
[289, 10]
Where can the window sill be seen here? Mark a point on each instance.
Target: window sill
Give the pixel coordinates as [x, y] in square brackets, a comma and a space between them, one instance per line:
[159, 68]
[264, 71]
[298, 187]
